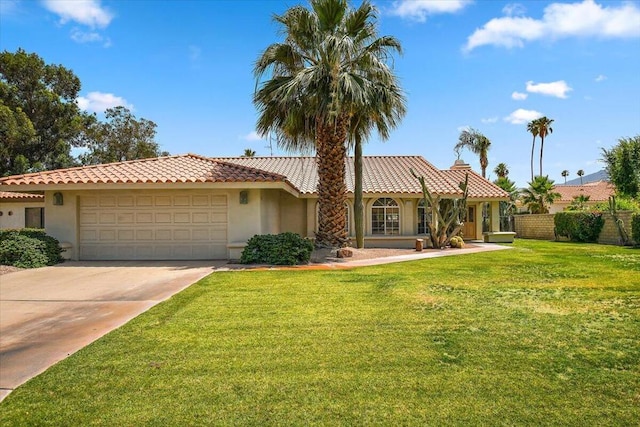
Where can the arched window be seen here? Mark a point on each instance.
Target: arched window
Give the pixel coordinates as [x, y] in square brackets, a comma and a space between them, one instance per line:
[385, 217]
[424, 214]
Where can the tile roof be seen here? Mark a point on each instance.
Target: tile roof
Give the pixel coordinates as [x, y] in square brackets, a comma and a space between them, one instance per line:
[188, 168]
[479, 187]
[597, 191]
[12, 195]
[381, 174]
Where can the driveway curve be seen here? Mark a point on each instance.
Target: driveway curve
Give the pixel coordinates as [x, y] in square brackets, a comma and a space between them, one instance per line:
[49, 313]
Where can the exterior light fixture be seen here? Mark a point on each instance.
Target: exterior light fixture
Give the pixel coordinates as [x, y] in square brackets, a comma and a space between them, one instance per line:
[244, 197]
[57, 199]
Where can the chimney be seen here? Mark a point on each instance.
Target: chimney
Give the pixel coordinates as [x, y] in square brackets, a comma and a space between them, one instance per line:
[460, 165]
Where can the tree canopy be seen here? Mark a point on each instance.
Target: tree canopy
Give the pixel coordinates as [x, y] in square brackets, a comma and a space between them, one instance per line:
[478, 144]
[623, 166]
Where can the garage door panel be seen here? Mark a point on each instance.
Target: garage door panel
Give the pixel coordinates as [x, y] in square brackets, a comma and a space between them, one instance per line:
[173, 225]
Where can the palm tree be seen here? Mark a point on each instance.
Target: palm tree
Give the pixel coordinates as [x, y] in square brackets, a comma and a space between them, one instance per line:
[330, 67]
[580, 174]
[478, 144]
[248, 152]
[540, 194]
[532, 128]
[501, 170]
[544, 128]
[565, 174]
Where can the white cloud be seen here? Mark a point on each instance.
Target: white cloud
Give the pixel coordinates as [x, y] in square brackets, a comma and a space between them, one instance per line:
[514, 9]
[601, 78]
[252, 136]
[521, 116]
[585, 19]
[489, 120]
[558, 89]
[418, 10]
[79, 36]
[85, 12]
[519, 96]
[98, 102]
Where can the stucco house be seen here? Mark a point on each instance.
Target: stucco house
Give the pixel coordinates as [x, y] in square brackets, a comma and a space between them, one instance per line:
[193, 207]
[19, 210]
[598, 191]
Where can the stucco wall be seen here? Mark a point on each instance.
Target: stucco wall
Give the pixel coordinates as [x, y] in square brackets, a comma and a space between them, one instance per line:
[541, 227]
[244, 219]
[293, 214]
[13, 213]
[270, 211]
[61, 222]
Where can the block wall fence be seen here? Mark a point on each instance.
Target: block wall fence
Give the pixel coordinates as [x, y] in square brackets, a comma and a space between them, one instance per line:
[540, 227]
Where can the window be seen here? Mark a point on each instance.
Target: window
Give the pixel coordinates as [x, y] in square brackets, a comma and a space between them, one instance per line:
[346, 218]
[34, 217]
[423, 228]
[385, 217]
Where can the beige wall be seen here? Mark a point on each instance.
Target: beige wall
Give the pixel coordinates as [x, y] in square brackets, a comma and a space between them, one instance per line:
[61, 222]
[13, 213]
[270, 212]
[293, 214]
[541, 227]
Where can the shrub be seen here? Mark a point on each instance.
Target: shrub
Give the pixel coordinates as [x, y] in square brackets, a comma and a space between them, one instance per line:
[277, 249]
[48, 246]
[578, 226]
[456, 242]
[22, 251]
[635, 228]
[622, 204]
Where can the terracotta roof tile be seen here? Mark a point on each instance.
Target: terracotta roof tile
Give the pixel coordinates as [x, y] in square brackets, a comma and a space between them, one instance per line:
[11, 195]
[479, 187]
[598, 191]
[184, 168]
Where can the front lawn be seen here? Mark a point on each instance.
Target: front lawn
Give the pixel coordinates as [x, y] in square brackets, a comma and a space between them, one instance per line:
[544, 334]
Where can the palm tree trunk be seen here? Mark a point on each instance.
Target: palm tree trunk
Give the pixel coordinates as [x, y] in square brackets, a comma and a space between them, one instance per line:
[533, 146]
[358, 208]
[541, 151]
[330, 159]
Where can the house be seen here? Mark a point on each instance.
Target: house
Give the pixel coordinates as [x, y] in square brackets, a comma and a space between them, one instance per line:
[598, 192]
[193, 207]
[18, 210]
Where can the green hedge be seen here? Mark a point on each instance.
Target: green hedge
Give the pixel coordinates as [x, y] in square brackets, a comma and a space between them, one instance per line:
[28, 248]
[578, 226]
[277, 249]
[635, 228]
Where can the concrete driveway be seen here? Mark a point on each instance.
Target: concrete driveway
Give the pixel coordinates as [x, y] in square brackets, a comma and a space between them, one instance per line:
[46, 314]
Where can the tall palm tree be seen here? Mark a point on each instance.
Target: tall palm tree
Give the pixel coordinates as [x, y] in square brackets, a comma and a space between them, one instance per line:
[502, 170]
[540, 194]
[478, 144]
[544, 128]
[580, 174]
[565, 174]
[248, 152]
[532, 128]
[330, 66]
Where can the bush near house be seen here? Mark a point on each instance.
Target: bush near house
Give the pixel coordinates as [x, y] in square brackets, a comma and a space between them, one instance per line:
[28, 248]
[635, 228]
[277, 249]
[578, 226]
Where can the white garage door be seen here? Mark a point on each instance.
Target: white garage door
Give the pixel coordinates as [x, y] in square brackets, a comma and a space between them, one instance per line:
[160, 225]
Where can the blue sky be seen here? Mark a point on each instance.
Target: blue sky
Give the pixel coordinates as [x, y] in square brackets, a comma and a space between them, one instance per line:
[492, 65]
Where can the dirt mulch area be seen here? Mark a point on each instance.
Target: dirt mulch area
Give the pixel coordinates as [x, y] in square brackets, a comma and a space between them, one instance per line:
[6, 269]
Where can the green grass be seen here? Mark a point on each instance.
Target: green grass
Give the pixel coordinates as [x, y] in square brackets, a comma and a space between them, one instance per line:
[544, 334]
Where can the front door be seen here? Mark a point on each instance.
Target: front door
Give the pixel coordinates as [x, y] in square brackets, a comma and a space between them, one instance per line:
[469, 229]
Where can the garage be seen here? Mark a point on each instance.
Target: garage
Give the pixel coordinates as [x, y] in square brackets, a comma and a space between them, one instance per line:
[153, 225]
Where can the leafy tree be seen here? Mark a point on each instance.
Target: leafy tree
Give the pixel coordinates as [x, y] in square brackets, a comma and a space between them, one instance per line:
[248, 152]
[540, 195]
[46, 96]
[501, 170]
[623, 166]
[565, 174]
[543, 125]
[579, 203]
[331, 66]
[532, 128]
[478, 144]
[121, 137]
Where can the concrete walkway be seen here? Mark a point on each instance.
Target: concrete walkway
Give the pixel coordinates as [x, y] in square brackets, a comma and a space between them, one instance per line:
[49, 313]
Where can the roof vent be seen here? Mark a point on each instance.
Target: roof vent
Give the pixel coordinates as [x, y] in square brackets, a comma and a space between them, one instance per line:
[460, 164]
